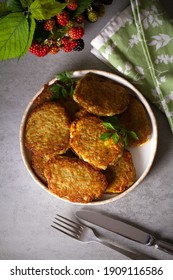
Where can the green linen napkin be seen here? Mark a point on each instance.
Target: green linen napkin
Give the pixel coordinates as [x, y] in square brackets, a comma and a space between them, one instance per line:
[138, 42]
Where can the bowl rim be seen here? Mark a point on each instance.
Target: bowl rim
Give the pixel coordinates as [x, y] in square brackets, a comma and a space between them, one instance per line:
[77, 74]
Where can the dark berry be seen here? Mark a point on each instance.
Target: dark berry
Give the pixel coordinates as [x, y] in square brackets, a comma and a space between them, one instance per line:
[79, 46]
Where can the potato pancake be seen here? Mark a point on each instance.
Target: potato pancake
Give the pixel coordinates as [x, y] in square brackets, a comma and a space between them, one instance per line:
[100, 95]
[38, 164]
[74, 179]
[121, 175]
[47, 129]
[85, 141]
[135, 118]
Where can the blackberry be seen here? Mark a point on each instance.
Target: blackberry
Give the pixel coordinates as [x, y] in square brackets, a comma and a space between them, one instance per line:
[80, 45]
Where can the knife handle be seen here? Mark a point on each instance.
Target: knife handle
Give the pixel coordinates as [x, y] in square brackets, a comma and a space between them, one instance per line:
[164, 246]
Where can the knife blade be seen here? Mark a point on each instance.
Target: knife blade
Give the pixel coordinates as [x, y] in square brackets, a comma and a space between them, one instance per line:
[124, 229]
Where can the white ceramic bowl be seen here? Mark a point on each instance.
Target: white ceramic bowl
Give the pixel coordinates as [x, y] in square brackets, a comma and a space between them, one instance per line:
[143, 155]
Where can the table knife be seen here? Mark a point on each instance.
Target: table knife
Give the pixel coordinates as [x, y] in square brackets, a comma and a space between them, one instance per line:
[124, 229]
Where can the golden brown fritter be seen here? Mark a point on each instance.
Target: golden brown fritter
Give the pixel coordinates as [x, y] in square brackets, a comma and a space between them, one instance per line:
[121, 175]
[135, 118]
[85, 141]
[47, 129]
[74, 179]
[100, 95]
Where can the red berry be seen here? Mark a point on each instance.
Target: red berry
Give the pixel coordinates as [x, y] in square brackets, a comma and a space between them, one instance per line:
[63, 18]
[76, 32]
[73, 43]
[65, 40]
[66, 44]
[49, 24]
[72, 4]
[67, 48]
[39, 50]
[54, 49]
[80, 18]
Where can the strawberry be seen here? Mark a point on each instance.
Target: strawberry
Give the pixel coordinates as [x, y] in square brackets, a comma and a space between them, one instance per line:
[39, 49]
[63, 18]
[76, 32]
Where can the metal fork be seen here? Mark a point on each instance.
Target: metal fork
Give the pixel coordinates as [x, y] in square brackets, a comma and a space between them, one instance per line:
[84, 233]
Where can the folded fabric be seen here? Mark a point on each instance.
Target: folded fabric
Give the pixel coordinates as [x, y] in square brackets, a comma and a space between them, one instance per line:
[138, 43]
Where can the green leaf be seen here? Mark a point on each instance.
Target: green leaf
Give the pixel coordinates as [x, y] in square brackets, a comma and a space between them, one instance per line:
[14, 5]
[45, 9]
[108, 125]
[64, 92]
[82, 5]
[14, 34]
[55, 96]
[105, 136]
[32, 25]
[64, 76]
[133, 135]
[26, 3]
[3, 9]
[113, 120]
[125, 139]
[115, 137]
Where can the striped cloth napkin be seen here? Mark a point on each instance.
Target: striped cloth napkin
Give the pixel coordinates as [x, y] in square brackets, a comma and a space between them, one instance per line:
[138, 43]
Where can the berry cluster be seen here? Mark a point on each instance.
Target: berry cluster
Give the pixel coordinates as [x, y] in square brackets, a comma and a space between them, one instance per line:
[65, 30]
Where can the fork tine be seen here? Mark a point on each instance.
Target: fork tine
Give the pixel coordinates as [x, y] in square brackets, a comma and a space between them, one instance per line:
[77, 224]
[73, 229]
[71, 235]
[72, 224]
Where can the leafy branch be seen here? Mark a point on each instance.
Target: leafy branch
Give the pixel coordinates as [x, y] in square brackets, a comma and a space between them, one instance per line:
[18, 23]
[116, 131]
[63, 89]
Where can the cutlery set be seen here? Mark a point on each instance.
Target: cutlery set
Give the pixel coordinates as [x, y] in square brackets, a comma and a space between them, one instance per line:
[81, 232]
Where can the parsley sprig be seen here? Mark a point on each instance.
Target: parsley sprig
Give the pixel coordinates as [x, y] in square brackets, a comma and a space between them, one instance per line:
[116, 131]
[63, 89]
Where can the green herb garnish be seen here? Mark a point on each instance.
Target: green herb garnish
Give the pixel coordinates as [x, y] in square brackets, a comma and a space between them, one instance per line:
[116, 131]
[63, 89]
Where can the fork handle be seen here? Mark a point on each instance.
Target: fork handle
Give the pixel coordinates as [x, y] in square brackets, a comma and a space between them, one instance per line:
[164, 246]
[131, 255]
